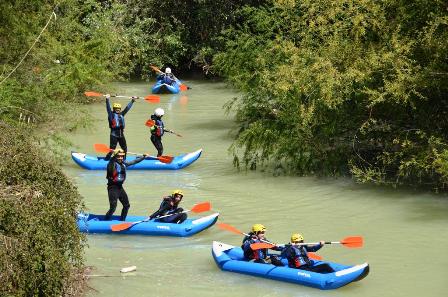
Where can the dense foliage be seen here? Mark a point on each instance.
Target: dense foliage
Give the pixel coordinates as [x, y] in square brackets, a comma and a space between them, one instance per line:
[175, 33]
[342, 86]
[76, 52]
[41, 249]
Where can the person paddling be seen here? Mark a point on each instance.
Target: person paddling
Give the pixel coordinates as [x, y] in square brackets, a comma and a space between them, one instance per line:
[116, 124]
[157, 130]
[170, 206]
[116, 175]
[167, 77]
[259, 255]
[297, 255]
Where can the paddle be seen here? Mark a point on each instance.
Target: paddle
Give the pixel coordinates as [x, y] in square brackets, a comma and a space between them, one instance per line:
[182, 86]
[350, 242]
[103, 148]
[261, 245]
[149, 98]
[151, 123]
[197, 208]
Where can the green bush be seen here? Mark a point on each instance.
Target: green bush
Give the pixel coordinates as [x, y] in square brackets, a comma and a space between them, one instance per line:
[41, 248]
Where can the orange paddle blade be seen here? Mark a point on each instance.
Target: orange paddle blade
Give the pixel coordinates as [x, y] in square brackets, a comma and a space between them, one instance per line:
[150, 123]
[165, 159]
[121, 227]
[156, 69]
[93, 94]
[314, 256]
[152, 98]
[353, 241]
[229, 228]
[201, 207]
[261, 245]
[101, 148]
[183, 87]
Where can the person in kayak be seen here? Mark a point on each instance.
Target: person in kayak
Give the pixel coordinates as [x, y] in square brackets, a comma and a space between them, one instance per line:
[297, 255]
[170, 206]
[116, 124]
[157, 130]
[259, 255]
[166, 77]
[116, 175]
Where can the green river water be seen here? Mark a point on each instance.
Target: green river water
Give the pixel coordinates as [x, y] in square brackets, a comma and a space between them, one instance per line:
[405, 232]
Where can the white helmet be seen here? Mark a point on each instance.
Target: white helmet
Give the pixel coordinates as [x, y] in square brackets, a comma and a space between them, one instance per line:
[168, 70]
[159, 112]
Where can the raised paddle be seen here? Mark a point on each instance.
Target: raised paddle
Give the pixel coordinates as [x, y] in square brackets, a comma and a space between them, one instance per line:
[151, 123]
[197, 208]
[149, 98]
[182, 86]
[103, 148]
[350, 242]
[261, 245]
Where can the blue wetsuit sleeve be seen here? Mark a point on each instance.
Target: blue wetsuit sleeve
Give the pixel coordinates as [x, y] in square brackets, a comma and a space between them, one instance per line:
[109, 110]
[135, 161]
[313, 248]
[128, 107]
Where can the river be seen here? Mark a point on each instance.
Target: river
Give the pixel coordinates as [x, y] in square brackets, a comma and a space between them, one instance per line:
[405, 231]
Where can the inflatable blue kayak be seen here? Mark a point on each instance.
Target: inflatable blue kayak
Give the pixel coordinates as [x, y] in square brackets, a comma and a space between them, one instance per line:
[91, 223]
[230, 258]
[162, 88]
[98, 163]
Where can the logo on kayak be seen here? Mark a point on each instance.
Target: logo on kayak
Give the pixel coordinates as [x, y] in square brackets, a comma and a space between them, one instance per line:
[303, 274]
[163, 227]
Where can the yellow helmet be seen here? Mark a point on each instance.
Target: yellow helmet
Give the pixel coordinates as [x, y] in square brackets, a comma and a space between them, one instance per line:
[296, 237]
[179, 192]
[116, 106]
[258, 228]
[118, 152]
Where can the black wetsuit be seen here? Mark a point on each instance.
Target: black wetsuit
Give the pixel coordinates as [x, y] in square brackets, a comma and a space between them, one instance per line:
[156, 134]
[116, 125]
[116, 175]
[168, 206]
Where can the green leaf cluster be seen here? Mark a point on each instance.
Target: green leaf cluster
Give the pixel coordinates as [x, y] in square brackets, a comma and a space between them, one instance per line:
[342, 86]
[41, 248]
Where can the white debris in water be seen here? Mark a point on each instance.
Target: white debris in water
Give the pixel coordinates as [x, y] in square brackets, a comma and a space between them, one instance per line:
[128, 269]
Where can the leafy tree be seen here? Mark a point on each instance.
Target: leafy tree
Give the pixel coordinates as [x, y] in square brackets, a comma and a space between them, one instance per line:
[332, 87]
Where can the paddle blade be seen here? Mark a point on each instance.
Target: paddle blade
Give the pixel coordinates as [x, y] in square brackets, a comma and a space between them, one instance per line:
[121, 227]
[165, 159]
[101, 148]
[150, 123]
[152, 98]
[93, 94]
[156, 69]
[229, 228]
[201, 207]
[353, 241]
[314, 256]
[183, 87]
[261, 245]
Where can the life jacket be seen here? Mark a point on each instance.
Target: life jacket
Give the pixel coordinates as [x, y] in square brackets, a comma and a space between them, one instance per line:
[116, 121]
[168, 80]
[169, 200]
[118, 173]
[249, 253]
[296, 255]
[158, 129]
